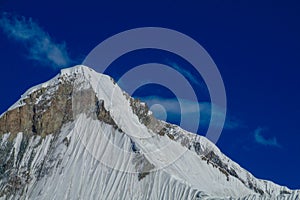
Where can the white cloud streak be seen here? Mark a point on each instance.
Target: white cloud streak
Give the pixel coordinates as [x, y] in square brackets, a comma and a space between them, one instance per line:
[260, 139]
[186, 73]
[39, 44]
[190, 109]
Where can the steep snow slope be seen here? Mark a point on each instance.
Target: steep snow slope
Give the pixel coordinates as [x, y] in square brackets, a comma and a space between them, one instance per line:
[79, 136]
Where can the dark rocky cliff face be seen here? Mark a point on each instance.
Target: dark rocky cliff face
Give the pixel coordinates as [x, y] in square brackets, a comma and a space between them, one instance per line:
[41, 113]
[44, 111]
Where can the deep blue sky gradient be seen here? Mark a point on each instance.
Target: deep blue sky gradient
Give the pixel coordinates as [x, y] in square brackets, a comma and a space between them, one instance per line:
[255, 44]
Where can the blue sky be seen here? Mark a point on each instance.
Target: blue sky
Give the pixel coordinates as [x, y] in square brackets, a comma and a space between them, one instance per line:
[255, 45]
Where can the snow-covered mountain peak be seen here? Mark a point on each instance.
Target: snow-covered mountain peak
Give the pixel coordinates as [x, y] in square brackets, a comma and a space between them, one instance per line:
[79, 136]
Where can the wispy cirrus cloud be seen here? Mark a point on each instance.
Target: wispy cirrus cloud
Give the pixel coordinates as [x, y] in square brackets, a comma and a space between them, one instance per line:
[41, 47]
[260, 139]
[190, 109]
[186, 73]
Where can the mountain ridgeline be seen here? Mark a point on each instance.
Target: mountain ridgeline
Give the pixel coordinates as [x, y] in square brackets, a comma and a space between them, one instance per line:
[79, 136]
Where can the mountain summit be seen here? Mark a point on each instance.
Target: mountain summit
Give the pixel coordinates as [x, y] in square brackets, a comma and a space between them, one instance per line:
[79, 136]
